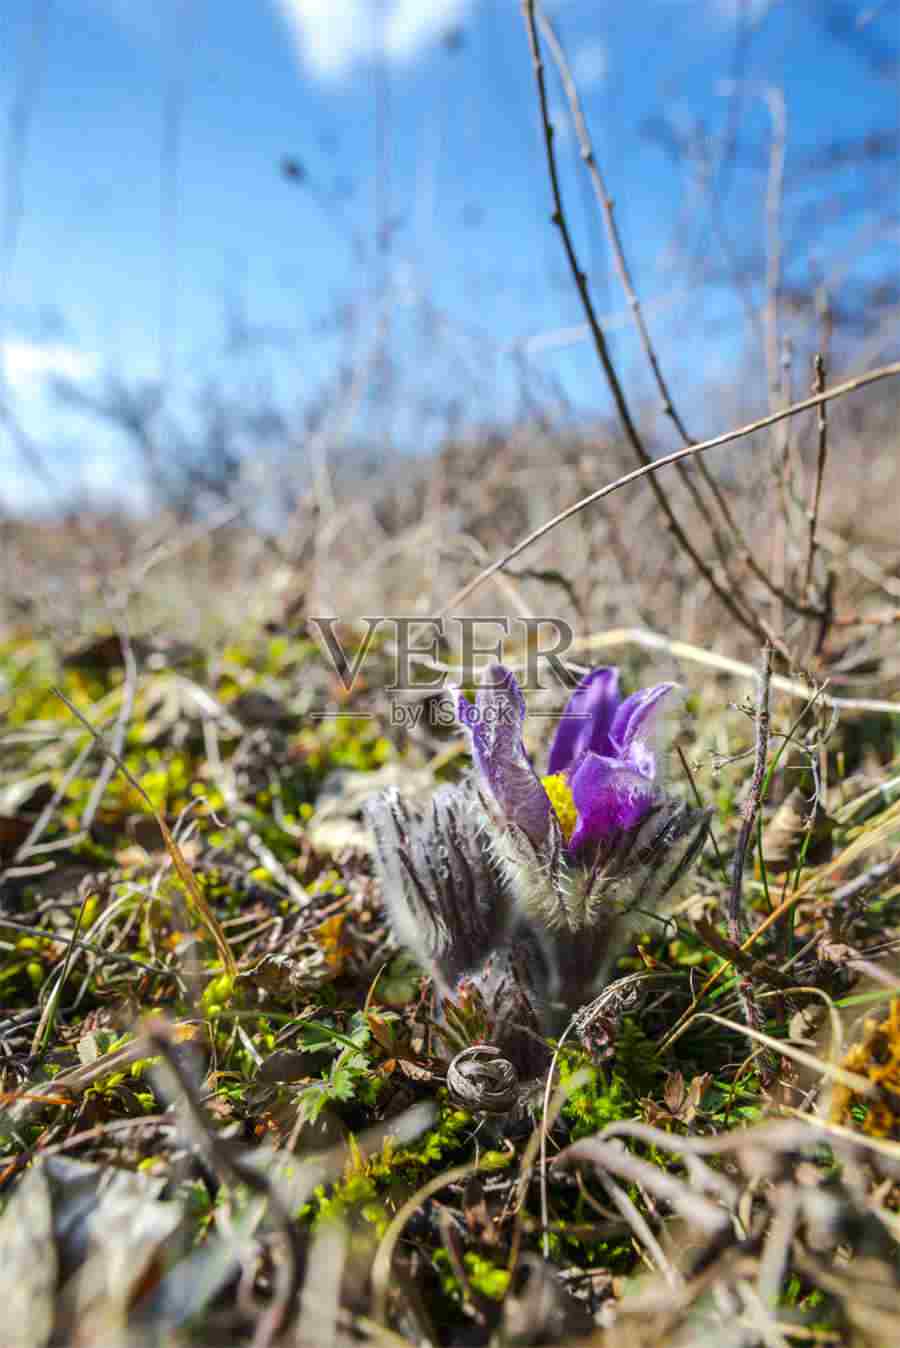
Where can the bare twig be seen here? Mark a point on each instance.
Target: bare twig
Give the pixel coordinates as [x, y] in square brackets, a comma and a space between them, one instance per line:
[646, 639]
[745, 616]
[856, 559]
[612, 230]
[725, 551]
[737, 925]
[774, 193]
[822, 426]
[648, 469]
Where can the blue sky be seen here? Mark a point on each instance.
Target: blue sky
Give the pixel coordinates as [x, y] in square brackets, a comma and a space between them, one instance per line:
[150, 229]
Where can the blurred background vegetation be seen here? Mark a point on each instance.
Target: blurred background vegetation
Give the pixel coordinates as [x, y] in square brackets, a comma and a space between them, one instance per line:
[285, 323]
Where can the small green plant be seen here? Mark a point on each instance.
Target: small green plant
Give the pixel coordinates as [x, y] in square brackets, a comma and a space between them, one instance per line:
[351, 1075]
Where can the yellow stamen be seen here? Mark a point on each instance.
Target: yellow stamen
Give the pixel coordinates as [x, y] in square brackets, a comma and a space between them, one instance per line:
[560, 794]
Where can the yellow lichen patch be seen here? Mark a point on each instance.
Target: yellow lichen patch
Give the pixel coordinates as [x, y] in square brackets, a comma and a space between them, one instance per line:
[560, 794]
[877, 1057]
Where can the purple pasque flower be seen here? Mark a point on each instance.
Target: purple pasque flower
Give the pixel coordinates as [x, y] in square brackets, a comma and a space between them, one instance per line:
[512, 886]
[601, 768]
[494, 724]
[564, 835]
[602, 751]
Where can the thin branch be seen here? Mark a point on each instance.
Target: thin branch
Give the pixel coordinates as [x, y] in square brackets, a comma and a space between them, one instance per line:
[183, 870]
[606, 204]
[612, 230]
[822, 425]
[736, 920]
[774, 99]
[744, 616]
[647, 469]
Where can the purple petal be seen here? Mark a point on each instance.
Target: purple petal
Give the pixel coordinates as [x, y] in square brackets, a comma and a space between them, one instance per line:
[495, 725]
[466, 713]
[586, 721]
[609, 796]
[632, 724]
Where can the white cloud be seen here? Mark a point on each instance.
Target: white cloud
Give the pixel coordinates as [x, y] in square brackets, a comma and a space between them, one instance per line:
[726, 13]
[334, 35]
[27, 364]
[412, 25]
[749, 11]
[590, 64]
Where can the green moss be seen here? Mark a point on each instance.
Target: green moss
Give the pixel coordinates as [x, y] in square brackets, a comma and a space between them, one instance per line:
[599, 1101]
[349, 742]
[487, 1279]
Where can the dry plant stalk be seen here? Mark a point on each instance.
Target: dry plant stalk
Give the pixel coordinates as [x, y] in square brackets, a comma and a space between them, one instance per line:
[726, 595]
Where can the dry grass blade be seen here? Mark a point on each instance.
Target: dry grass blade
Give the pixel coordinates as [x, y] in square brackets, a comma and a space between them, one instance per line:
[82, 1078]
[610, 1156]
[735, 914]
[107, 769]
[381, 1264]
[48, 1015]
[185, 874]
[538, 1144]
[859, 1084]
[878, 833]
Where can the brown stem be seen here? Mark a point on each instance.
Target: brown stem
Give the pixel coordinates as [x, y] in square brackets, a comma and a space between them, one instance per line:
[605, 201]
[744, 616]
[822, 425]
